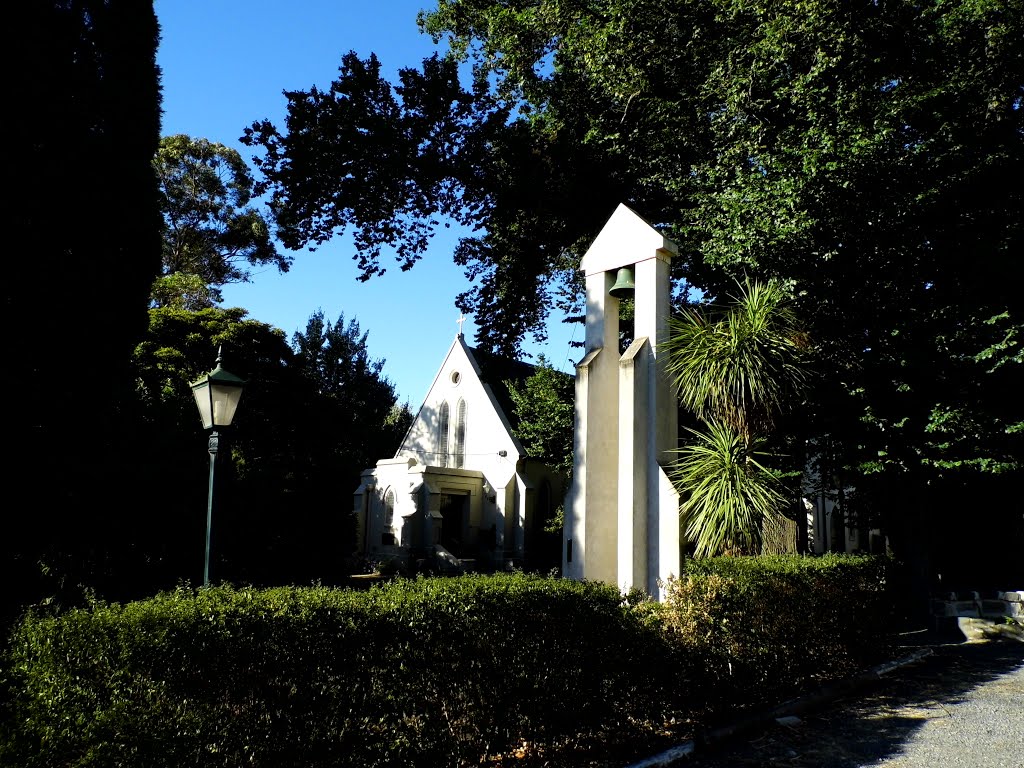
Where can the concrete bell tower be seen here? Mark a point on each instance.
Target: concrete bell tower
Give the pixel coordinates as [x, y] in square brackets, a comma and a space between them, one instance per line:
[622, 513]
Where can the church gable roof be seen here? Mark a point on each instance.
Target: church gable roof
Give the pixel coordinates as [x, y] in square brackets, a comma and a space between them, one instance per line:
[495, 373]
[486, 374]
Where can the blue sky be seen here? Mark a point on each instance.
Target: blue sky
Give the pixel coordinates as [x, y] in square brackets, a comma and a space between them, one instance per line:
[224, 65]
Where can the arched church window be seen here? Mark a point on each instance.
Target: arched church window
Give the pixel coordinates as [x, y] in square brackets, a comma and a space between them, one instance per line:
[442, 435]
[388, 535]
[460, 435]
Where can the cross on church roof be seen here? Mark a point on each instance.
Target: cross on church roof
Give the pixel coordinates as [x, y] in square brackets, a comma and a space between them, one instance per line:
[460, 321]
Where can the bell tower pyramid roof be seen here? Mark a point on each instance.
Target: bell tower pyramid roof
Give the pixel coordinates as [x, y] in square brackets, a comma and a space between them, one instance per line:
[625, 240]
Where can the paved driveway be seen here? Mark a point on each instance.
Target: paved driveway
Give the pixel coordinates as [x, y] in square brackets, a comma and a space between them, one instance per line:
[961, 707]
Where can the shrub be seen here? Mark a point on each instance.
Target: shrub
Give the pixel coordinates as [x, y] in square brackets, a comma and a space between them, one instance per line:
[428, 671]
[752, 629]
[416, 672]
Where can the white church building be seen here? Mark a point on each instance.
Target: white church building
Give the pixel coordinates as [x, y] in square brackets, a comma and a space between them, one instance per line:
[460, 492]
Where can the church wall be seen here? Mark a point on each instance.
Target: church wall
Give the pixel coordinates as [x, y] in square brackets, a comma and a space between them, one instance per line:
[394, 476]
[486, 434]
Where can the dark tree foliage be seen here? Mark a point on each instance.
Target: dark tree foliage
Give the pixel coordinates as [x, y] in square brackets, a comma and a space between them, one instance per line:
[737, 369]
[170, 462]
[543, 410]
[869, 152]
[84, 249]
[212, 233]
[544, 414]
[351, 420]
[313, 415]
[392, 162]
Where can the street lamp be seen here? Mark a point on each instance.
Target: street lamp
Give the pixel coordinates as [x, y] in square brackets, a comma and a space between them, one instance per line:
[217, 395]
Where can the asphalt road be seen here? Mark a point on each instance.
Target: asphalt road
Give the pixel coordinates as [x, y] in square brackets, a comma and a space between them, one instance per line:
[960, 707]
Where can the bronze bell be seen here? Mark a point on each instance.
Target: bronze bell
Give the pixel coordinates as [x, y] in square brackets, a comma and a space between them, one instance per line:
[624, 287]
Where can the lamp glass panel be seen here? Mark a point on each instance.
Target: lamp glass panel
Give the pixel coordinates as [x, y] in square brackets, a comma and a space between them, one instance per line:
[202, 394]
[225, 401]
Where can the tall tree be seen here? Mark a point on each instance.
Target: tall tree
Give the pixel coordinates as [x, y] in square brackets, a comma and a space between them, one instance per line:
[389, 162]
[870, 152]
[212, 233]
[84, 245]
[313, 416]
[169, 463]
[544, 415]
[355, 422]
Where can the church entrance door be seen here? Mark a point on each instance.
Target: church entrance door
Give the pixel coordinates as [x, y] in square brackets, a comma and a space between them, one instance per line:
[453, 522]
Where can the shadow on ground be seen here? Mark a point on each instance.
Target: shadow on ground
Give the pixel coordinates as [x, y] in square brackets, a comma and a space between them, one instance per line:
[969, 685]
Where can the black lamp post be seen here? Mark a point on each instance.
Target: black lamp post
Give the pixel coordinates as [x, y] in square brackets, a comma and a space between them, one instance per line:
[217, 395]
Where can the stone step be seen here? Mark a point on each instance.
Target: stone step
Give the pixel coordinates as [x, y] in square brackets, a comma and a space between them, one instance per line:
[994, 605]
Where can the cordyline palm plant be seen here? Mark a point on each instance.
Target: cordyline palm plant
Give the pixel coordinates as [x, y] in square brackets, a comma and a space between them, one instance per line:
[736, 369]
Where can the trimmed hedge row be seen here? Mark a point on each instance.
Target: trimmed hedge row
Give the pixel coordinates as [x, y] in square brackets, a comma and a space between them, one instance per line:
[425, 672]
[752, 629]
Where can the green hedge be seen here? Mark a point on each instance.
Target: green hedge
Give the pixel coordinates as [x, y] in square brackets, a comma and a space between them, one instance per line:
[425, 672]
[753, 629]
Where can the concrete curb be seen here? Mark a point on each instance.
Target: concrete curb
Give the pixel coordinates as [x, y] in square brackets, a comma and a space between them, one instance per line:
[676, 755]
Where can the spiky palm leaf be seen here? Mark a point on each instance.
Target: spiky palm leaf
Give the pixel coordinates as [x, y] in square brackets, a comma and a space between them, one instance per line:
[735, 369]
[742, 363]
[729, 495]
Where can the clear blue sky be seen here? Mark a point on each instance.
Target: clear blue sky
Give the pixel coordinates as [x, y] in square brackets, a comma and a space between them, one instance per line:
[225, 64]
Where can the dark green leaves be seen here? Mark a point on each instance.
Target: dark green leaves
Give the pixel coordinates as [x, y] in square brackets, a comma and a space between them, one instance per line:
[730, 496]
[740, 363]
[211, 233]
[544, 412]
[365, 155]
[403, 675]
[736, 368]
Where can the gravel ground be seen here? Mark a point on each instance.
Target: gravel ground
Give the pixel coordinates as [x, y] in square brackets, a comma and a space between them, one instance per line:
[960, 707]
